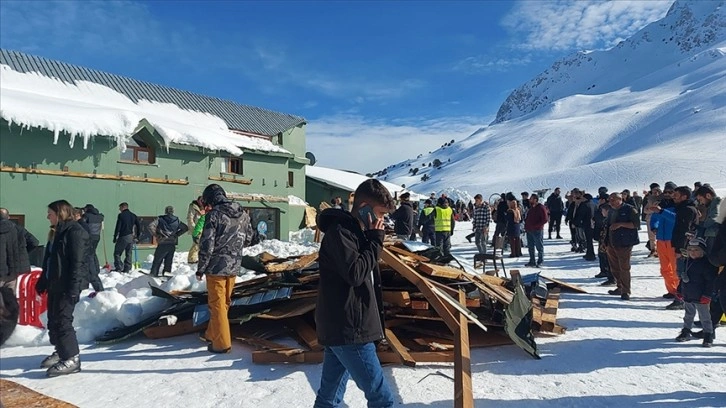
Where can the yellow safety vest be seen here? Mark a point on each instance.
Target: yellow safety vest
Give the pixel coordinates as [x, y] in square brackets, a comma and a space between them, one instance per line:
[442, 223]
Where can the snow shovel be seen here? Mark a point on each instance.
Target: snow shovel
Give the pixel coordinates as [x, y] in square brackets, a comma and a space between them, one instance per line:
[107, 266]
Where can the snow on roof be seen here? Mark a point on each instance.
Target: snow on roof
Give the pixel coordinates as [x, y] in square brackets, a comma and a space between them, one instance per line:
[87, 109]
[350, 181]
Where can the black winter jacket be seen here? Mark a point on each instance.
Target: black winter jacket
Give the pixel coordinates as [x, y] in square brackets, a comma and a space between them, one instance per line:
[227, 230]
[717, 256]
[350, 302]
[92, 220]
[167, 229]
[554, 204]
[65, 262]
[701, 278]
[13, 255]
[125, 224]
[584, 214]
[686, 217]
[404, 218]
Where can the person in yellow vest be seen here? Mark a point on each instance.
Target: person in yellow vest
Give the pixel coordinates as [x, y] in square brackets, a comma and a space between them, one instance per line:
[443, 225]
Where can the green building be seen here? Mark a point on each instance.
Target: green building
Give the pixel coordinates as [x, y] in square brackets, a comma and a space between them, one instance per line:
[69, 132]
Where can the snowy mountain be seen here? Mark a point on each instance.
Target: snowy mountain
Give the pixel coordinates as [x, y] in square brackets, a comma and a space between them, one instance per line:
[653, 108]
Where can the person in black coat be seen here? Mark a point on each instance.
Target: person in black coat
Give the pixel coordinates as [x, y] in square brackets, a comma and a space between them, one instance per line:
[128, 229]
[404, 218]
[556, 207]
[64, 270]
[167, 229]
[92, 222]
[349, 312]
[13, 256]
[696, 291]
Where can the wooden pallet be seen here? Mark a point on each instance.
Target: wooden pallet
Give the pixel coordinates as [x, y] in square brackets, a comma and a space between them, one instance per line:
[544, 317]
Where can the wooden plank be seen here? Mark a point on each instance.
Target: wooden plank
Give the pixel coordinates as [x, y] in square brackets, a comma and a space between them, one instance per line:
[179, 329]
[440, 271]
[267, 257]
[417, 317]
[290, 308]
[435, 344]
[299, 294]
[14, 395]
[270, 345]
[409, 254]
[316, 357]
[407, 272]
[244, 181]
[565, 285]
[398, 298]
[463, 393]
[306, 333]
[45, 172]
[536, 313]
[460, 308]
[419, 305]
[399, 349]
[473, 302]
[301, 263]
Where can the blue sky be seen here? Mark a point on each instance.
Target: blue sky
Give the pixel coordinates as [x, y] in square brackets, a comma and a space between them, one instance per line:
[378, 82]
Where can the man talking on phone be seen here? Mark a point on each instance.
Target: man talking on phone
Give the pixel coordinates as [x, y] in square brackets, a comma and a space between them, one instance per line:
[349, 312]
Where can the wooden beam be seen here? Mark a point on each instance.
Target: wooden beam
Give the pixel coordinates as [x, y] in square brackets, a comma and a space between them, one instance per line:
[179, 329]
[407, 272]
[302, 262]
[46, 172]
[397, 298]
[565, 285]
[307, 334]
[463, 393]
[244, 181]
[409, 254]
[440, 271]
[399, 349]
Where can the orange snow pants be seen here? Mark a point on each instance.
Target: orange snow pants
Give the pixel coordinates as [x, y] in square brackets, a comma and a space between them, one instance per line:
[219, 290]
[667, 258]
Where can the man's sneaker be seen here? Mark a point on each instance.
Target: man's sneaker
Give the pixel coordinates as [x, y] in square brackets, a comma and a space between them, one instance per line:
[676, 305]
[468, 239]
[708, 340]
[213, 350]
[559, 237]
[530, 265]
[624, 296]
[539, 263]
[669, 296]
[684, 336]
[590, 258]
[609, 282]
[601, 275]
[63, 367]
[550, 237]
[615, 292]
[50, 361]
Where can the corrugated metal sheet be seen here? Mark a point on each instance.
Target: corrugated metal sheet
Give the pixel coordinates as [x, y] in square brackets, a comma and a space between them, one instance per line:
[239, 117]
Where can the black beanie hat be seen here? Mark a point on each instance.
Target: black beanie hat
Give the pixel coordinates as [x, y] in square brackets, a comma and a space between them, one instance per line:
[214, 194]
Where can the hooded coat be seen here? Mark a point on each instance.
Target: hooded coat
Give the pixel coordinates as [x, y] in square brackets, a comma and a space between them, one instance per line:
[404, 218]
[227, 230]
[13, 255]
[65, 262]
[350, 303]
[93, 222]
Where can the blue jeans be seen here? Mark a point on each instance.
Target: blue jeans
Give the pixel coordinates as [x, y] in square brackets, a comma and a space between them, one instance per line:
[482, 240]
[357, 361]
[534, 240]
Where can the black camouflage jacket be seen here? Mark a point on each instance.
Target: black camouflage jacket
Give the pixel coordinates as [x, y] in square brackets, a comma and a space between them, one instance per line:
[227, 230]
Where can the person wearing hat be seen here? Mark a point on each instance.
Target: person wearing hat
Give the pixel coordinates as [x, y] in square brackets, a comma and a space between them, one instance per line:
[404, 218]
[227, 230]
[696, 292]
[166, 229]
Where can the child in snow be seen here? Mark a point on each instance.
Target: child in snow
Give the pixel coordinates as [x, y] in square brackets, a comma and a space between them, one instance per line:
[696, 292]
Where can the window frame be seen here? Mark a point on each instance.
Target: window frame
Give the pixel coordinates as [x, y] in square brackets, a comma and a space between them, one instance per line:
[230, 161]
[146, 238]
[136, 149]
[18, 219]
[290, 179]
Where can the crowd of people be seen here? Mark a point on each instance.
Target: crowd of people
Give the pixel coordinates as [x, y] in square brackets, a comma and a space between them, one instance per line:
[684, 228]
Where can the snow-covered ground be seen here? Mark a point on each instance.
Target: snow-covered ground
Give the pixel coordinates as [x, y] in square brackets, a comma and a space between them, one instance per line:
[614, 354]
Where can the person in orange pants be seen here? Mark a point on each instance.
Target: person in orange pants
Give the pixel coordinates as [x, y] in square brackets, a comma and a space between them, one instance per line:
[662, 222]
[226, 231]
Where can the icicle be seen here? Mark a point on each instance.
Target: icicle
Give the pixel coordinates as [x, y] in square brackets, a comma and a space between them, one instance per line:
[56, 133]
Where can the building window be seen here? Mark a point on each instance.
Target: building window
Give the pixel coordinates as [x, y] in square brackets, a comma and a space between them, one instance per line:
[279, 139]
[18, 219]
[290, 179]
[266, 222]
[138, 151]
[145, 236]
[234, 165]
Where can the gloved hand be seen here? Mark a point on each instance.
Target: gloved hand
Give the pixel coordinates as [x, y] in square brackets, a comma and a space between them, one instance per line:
[114, 240]
[705, 300]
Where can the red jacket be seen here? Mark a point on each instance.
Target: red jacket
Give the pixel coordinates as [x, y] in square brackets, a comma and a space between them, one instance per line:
[536, 218]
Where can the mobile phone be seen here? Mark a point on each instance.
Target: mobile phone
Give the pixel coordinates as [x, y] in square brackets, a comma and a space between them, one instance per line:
[363, 214]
